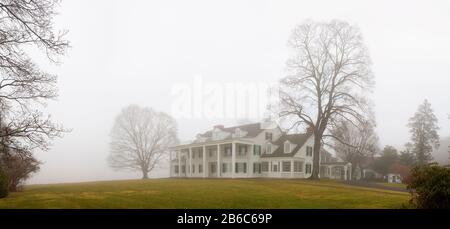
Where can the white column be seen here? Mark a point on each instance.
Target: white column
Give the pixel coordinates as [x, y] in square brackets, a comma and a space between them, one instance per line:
[218, 161]
[204, 162]
[179, 163]
[292, 168]
[233, 159]
[350, 173]
[250, 160]
[279, 168]
[190, 162]
[345, 172]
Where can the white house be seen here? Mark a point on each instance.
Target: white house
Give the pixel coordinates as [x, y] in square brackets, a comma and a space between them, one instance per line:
[250, 151]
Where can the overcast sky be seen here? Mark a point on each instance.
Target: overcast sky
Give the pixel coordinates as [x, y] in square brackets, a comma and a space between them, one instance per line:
[135, 52]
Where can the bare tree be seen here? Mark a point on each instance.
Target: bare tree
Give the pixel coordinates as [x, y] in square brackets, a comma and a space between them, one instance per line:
[140, 138]
[23, 86]
[329, 80]
[356, 144]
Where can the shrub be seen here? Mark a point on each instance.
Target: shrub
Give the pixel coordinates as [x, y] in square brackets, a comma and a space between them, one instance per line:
[4, 184]
[19, 167]
[430, 187]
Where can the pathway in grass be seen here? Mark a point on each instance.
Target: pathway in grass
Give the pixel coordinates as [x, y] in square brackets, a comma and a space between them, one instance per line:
[379, 185]
[204, 193]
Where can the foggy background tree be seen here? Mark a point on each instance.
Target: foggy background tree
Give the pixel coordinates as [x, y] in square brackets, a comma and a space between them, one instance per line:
[388, 157]
[140, 139]
[24, 87]
[356, 144]
[407, 157]
[329, 80]
[424, 137]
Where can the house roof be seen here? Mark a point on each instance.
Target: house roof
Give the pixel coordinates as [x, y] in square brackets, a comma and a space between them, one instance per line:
[252, 130]
[297, 139]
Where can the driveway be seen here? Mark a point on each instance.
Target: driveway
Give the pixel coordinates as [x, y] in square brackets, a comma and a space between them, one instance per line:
[368, 184]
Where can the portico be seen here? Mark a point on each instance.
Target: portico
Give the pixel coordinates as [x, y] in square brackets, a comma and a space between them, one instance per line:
[226, 158]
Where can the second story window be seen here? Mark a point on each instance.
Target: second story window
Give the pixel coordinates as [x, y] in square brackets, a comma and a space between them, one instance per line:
[242, 150]
[227, 151]
[268, 136]
[256, 150]
[309, 151]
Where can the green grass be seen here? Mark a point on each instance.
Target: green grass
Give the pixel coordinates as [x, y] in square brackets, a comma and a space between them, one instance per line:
[204, 193]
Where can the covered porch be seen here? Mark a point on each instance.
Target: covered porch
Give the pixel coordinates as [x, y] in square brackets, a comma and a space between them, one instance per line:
[336, 170]
[226, 158]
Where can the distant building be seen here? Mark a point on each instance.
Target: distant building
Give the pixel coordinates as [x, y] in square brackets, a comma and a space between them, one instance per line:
[394, 178]
[334, 168]
[250, 151]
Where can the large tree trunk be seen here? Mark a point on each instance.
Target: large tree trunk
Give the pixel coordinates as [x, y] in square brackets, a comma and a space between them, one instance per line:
[316, 157]
[144, 175]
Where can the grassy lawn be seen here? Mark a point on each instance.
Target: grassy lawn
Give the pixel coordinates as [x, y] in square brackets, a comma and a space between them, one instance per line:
[208, 193]
[396, 185]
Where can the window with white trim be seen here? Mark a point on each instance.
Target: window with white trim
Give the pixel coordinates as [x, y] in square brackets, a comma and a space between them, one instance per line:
[298, 166]
[256, 150]
[227, 152]
[308, 168]
[242, 150]
[287, 147]
[265, 166]
[256, 167]
[268, 148]
[224, 168]
[309, 151]
[240, 167]
[268, 136]
[213, 167]
[275, 168]
[286, 166]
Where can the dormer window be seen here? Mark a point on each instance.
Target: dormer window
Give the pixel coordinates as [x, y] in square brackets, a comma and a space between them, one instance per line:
[268, 136]
[238, 132]
[287, 147]
[268, 148]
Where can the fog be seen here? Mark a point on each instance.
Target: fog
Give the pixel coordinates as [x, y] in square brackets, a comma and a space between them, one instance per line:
[136, 52]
